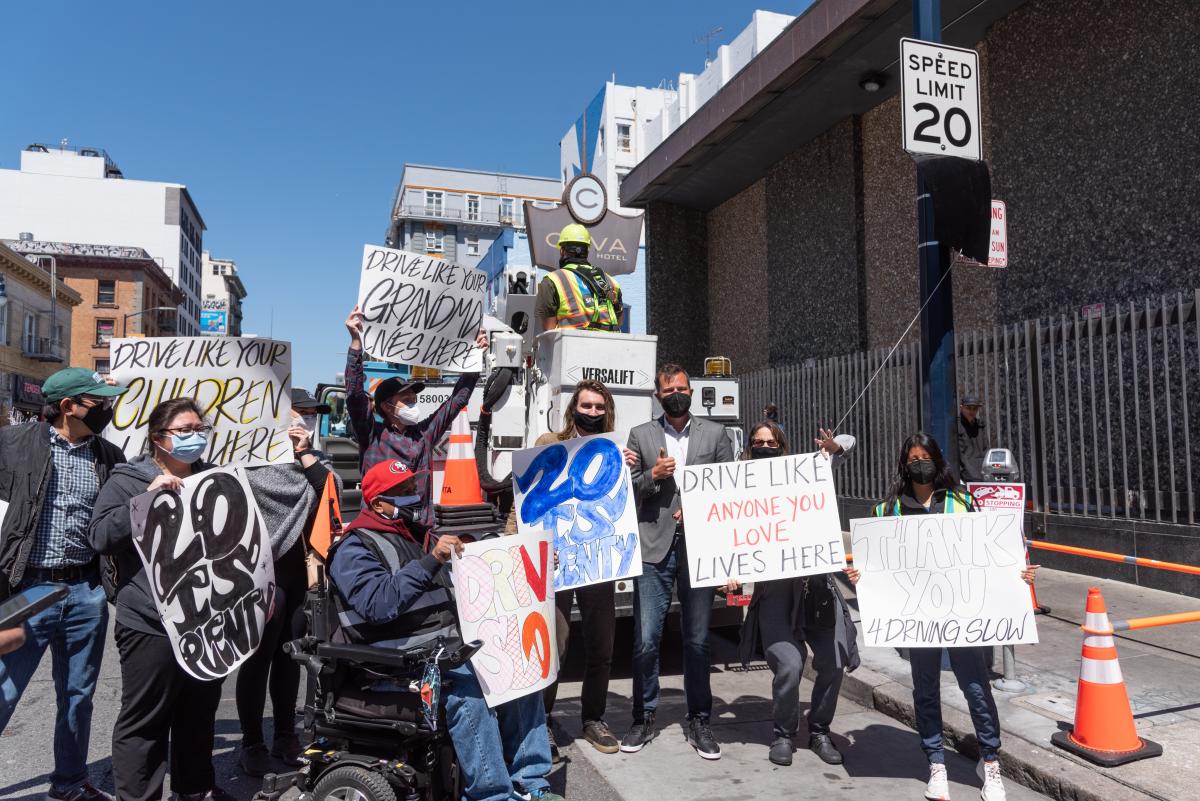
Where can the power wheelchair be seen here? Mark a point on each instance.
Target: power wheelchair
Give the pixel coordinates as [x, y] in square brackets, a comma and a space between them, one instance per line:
[367, 743]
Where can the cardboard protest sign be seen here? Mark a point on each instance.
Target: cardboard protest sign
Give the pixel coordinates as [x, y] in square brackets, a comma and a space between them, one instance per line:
[580, 491]
[420, 310]
[997, 495]
[760, 519]
[3, 512]
[208, 560]
[943, 580]
[505, 598]
[243, 385]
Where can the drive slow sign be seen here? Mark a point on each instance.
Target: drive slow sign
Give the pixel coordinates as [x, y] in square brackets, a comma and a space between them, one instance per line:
[940, 99]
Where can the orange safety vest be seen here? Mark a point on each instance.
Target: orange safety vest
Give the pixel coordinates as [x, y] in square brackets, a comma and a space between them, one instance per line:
[579, 306]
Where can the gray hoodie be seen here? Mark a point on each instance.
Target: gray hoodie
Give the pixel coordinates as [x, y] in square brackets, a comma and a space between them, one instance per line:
[287, 497]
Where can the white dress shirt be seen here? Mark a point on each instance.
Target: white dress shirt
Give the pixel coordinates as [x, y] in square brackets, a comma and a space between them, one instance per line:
[677, 441]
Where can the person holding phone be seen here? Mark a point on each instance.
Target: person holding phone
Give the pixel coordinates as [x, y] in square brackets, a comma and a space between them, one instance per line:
[51, 474]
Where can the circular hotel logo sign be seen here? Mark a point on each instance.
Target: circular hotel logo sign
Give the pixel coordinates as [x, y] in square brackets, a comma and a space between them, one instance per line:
[586, 199]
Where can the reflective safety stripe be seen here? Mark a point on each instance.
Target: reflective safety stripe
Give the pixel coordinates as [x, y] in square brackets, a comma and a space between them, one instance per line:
[570, 308]
[1099, 641]
[574, 311]
[1100, 671]
[1097, 621]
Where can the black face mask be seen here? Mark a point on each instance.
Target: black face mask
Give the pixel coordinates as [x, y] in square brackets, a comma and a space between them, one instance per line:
[97, 419]
[922, 471]
[589, 424]
[676, 404]
[765, 453]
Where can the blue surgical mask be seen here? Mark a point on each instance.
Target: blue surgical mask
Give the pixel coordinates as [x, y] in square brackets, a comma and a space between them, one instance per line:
[187, 448]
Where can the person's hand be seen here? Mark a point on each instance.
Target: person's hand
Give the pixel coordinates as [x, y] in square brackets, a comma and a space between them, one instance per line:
[301, 439]
[108, 379]
[631, 457]
[852, 574]
[732, 587]
[678, 516]
[354, 324]
[1029, 574]
[827, 444]
[481, 340]
[165, 482]
[664, 467]
[11, 639]
[447, 544]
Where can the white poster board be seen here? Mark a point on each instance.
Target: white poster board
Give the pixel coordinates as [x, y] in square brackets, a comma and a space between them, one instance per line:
[3, 512]
[504, 590]
[208, 559]
[581, 492]
[943, 581]
[761, 519]
[243, 385]
[420, 310]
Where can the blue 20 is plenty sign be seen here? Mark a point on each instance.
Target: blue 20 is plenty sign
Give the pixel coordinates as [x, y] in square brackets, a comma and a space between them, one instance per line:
[939, 98]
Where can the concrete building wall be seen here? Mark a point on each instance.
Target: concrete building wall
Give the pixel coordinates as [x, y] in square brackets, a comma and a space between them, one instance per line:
[738, 289]
[134, 291]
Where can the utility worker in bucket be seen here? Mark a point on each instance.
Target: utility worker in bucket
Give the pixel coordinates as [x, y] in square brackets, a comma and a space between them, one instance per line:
[578, 295]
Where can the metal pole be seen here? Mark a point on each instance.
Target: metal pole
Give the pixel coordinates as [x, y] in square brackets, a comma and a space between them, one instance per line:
[939, 413]
[1009, 683]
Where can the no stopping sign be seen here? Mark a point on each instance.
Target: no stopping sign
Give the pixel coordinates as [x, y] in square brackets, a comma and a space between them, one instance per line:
[939, 98]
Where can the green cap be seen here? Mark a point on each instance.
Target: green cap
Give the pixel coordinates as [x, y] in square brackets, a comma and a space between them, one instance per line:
[72, 382]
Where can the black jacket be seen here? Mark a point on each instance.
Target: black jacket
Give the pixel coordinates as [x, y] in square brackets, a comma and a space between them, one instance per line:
[817, 602]
[25, 463]
[972, 447]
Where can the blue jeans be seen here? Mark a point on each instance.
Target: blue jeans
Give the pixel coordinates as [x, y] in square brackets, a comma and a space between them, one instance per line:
[970, 668]
[74, 630]
[651, 603]
[499, 750]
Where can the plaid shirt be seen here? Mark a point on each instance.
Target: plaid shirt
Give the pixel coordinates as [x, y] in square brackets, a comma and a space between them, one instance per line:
[413, 445]
[61, 536]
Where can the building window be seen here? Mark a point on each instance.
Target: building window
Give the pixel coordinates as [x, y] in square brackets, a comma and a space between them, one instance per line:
[31, 332]
[3, 323]
[102, 366]
[624, 137]
[472, 246]
[216, 269]
[104, 331]
[506, 209]
[433, 242]
[621, 176]
[106, 291]
[433, 203]
[472, 207]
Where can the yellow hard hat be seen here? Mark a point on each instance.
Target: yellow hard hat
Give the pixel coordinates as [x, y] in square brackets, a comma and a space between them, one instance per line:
[574, 234]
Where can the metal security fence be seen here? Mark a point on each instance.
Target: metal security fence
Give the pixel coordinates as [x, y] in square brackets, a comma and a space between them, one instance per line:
[1098, 410]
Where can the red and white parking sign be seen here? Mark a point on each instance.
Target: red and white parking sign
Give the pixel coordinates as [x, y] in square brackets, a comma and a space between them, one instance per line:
[998, 248]
[997, 495]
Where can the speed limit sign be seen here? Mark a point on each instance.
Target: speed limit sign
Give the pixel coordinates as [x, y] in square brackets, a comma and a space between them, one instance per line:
[939, 95]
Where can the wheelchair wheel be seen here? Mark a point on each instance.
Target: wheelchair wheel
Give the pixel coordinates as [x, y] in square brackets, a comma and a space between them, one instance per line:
[352, 783]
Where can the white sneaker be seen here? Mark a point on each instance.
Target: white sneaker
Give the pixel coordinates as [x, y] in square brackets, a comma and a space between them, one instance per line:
[938, 786]
[993, 787]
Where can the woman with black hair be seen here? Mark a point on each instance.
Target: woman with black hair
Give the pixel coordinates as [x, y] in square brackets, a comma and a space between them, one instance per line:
[924, 485]
[161, 704]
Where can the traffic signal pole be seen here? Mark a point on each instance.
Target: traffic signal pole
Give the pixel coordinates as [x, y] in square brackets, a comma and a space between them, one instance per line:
[939, 413]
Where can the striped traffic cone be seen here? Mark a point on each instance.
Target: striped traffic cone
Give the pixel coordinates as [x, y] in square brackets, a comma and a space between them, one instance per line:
[1104, 732]
[460, 479]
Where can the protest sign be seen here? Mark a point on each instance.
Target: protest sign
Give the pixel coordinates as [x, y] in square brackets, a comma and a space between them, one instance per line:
[760, 519]
[580, 491]
[3, 512]
[505, 599]
[997, 495]
[242, 384]
[943, 580]
[208, 561]
[420, 310]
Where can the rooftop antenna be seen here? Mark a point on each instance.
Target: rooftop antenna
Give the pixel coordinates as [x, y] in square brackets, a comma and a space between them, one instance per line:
[707, 39]
[63, 143]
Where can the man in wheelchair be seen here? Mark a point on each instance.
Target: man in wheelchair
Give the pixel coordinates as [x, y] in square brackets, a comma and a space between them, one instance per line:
[389, 592]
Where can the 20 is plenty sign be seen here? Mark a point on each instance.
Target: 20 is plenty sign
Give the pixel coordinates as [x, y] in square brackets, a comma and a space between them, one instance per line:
[939, 96]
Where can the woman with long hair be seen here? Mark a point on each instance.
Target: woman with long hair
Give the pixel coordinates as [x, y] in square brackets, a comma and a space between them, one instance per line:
[924, 485]
[161, 704]
[791, 618]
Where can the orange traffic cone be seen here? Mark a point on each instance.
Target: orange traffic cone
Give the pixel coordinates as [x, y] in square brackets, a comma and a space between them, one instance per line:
[460, 481]
[1104, 732]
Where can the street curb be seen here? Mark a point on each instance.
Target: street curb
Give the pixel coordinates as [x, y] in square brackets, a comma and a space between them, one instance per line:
[1024, 762]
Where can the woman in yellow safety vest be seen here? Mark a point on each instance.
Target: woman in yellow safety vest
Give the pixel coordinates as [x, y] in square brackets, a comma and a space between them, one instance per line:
[924, 485]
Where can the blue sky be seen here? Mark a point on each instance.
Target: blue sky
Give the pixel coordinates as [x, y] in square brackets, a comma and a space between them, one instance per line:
[289, 122]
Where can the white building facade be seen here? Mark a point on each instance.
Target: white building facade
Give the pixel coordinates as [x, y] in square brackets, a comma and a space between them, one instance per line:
[221, 296]
[79, 195]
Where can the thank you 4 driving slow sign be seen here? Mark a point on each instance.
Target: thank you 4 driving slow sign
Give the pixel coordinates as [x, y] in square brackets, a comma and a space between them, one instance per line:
[939, 96]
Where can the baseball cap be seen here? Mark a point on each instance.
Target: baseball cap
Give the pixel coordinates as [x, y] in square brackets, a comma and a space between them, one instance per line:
[394, 386]
[71, 382]
[303, 399]
[383, 477]
[971, 400]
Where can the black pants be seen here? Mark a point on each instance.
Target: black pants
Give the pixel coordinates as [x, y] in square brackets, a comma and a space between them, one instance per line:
[269, 664]
[598, 610]
[161, 703]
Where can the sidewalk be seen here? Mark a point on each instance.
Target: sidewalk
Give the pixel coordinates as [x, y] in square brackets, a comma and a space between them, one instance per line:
[1161, 668]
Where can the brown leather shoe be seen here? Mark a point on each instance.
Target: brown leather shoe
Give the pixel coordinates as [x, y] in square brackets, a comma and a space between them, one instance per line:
[598, 734]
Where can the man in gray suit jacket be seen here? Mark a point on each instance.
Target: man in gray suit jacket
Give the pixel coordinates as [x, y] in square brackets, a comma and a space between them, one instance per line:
[663, 446]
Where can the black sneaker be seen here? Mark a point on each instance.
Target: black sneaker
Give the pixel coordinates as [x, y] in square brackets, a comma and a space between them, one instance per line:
[822, 746]
[84, 792]
[600, 736]
[255, 760]
[781, 751]
[642, 732]
[700, 737]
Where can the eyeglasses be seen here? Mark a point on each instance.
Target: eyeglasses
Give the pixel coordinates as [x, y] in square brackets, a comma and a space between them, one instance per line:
[93, 402]
[188, 430]
[764, 443]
